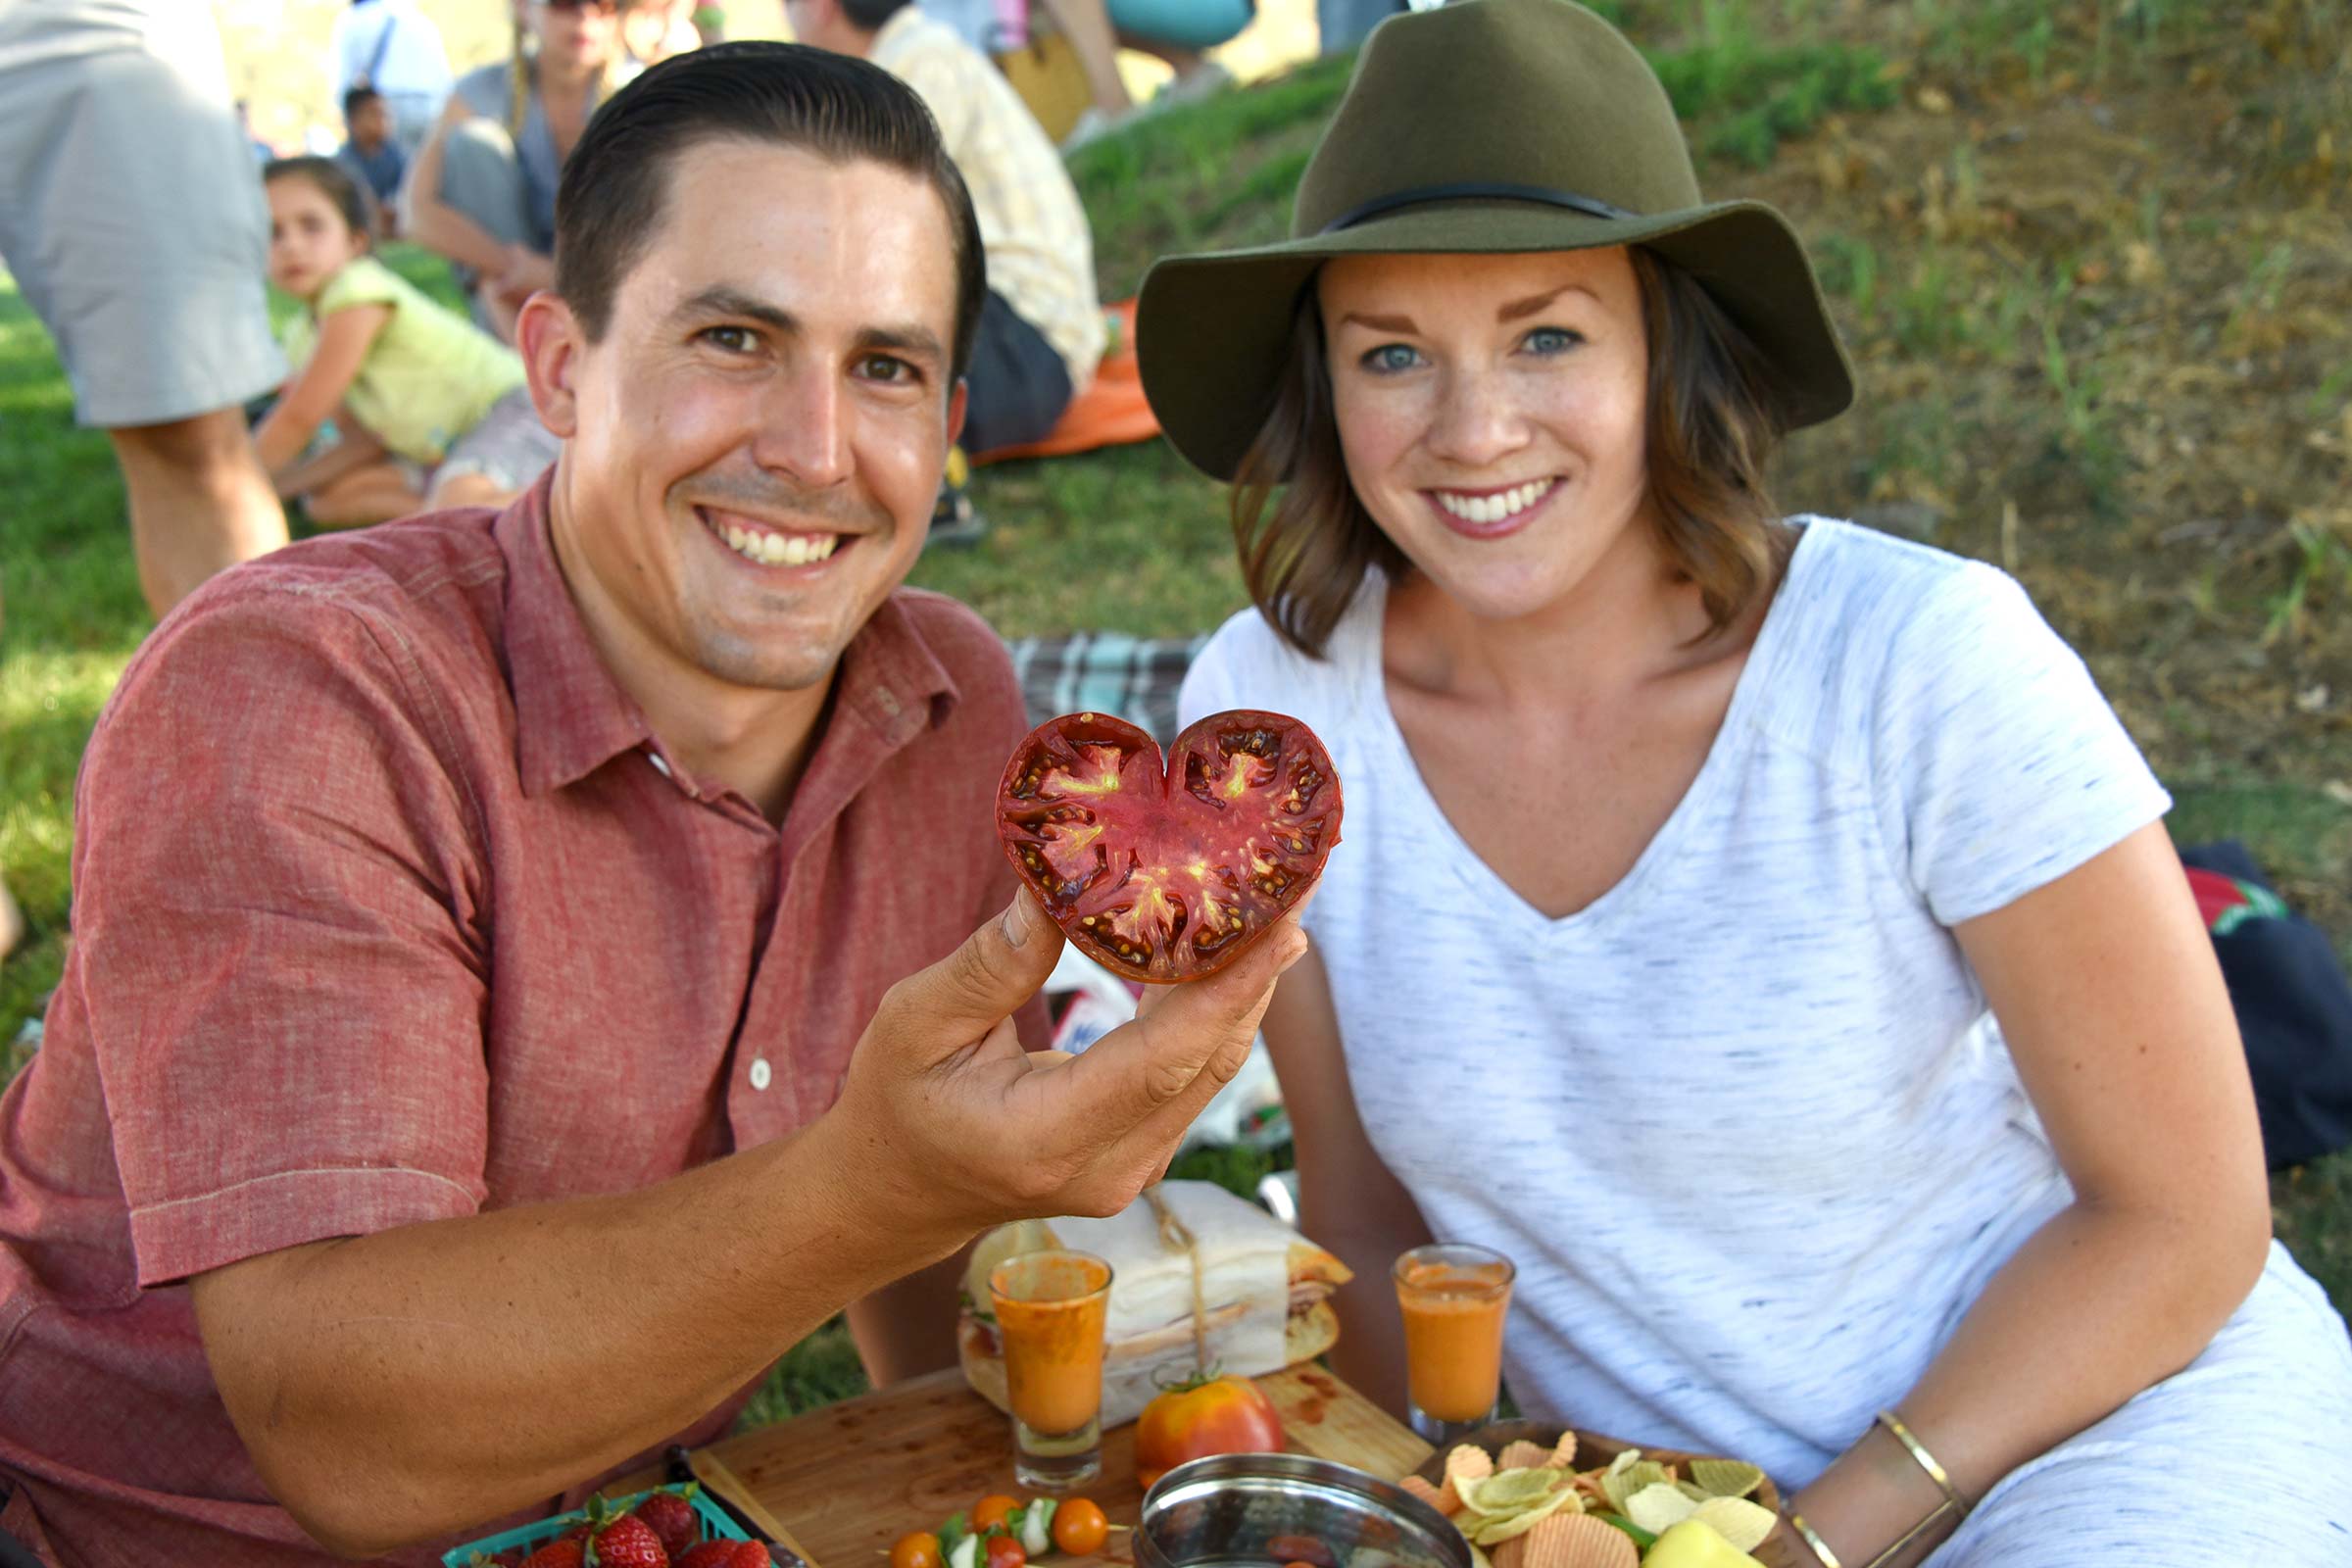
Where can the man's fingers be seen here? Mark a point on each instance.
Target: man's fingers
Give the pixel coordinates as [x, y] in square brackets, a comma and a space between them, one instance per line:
[971, 991]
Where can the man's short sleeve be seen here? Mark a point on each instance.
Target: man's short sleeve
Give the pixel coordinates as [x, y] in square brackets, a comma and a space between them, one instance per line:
[274, 874]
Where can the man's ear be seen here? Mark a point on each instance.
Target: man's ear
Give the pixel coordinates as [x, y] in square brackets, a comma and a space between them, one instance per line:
[548, 337]
[956, 404]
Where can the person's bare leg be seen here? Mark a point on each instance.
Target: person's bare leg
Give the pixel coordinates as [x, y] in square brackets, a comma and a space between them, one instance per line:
[1087, 25]
[199, 502]
[377, 493]
[469, 490]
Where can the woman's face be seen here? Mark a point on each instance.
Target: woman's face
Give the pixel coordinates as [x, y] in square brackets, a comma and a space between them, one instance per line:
[584, 35]
[1491, 410]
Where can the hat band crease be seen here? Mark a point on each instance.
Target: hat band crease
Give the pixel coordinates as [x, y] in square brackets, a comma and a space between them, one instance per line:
[1590, 206]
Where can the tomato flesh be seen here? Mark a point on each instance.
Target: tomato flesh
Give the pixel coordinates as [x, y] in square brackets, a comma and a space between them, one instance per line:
[1166, 869]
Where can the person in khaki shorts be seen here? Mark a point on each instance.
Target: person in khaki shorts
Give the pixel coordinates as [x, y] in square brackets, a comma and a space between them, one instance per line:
[131, 223]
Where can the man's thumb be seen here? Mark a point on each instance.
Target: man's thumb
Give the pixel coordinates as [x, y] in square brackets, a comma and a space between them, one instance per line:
[972, 990]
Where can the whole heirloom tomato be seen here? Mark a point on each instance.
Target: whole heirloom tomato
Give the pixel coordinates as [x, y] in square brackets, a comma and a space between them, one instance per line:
[1193, 1420]
[1165, 870]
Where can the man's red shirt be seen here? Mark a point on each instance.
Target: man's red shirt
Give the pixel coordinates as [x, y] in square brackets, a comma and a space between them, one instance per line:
[389, 907]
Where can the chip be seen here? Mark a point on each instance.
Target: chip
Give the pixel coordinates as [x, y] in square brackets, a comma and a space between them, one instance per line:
[1625, 1477]
[1512, 1553]
[1441, 1498]
[1578, 1540]
[1726, 1478]
[1742, 1523]
[1658, 1506]
[1499, 1528]
[1509, 1491]
[1522, 1455]
[1467, 1462]
[1563, 1453]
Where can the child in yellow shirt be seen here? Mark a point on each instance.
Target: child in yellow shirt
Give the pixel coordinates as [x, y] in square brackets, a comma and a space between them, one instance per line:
[431, 411]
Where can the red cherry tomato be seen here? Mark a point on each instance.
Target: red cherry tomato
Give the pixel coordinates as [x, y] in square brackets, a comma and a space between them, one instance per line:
[991, 1511]
[1166, 870]
[1079, 1528]
[1192, 1420]
[1005, 1553]
[918, 1550]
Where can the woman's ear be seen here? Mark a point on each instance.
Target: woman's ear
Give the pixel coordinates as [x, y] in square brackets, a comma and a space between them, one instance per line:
[548, 336]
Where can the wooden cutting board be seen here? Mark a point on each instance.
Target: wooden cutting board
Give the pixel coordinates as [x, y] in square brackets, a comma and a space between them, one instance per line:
[849, 1479]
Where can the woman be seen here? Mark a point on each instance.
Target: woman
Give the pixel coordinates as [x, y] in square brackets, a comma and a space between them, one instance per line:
[1760, 930]
[482, 189]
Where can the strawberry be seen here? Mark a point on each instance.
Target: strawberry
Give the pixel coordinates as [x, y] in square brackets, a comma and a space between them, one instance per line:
[628, 1541]
[564, 1553]
[671, 1517]
[726, 1555]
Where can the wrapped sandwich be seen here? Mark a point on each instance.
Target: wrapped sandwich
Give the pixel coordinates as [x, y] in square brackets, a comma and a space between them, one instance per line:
[1200, 1279]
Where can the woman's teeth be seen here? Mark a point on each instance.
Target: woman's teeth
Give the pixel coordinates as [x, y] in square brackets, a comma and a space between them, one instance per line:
[1493, 508]
[779, 549]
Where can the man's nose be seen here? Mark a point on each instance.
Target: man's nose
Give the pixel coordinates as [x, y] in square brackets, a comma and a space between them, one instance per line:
[1477, 420]
[805, 422]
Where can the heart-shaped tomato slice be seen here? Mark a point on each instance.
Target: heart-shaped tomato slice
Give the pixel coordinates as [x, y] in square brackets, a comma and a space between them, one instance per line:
[1166, 872]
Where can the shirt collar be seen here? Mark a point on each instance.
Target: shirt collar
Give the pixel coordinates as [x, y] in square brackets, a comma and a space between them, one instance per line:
[571, 716]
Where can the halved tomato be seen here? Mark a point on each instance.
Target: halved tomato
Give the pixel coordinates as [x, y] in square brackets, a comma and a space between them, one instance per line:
[1165, 870]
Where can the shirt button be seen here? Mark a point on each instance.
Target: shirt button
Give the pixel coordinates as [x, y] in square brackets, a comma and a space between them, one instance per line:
[762, 1073]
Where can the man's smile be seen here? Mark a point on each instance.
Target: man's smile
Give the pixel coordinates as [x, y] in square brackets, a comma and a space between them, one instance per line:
[767, 545]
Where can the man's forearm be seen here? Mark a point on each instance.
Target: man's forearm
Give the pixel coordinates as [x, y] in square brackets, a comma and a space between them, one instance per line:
[396, 1386]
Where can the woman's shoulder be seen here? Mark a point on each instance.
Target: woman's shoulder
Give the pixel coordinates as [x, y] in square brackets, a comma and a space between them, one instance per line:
[486, 90]
[1248, 663]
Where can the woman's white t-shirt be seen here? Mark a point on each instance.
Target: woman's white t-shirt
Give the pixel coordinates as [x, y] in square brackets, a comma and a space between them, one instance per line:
[1744, 1122]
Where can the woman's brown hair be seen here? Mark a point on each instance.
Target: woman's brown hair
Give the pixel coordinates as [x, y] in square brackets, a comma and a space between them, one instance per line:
[1713, 421]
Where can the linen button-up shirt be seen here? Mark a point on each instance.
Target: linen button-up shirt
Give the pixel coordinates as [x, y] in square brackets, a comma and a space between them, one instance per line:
[390, 907]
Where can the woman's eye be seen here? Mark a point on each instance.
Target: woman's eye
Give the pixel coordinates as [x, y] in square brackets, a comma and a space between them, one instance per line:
[1390, 357]
[1553, 339]
[734, 339]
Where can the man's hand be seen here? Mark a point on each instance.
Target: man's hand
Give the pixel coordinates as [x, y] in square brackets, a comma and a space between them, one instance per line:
[968, 1130]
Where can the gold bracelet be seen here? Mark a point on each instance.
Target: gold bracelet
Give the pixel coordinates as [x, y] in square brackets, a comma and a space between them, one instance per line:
[1926, 1462]
[1819, 1547]
[1950, 1505]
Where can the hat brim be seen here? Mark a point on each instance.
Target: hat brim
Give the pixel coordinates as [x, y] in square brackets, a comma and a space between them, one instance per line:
[1211, 330]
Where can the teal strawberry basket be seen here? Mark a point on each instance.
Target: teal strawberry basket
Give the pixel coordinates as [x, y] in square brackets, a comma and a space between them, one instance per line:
[714, 1523]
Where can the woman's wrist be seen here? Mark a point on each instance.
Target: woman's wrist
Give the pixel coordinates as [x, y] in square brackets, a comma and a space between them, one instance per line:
[1866, 1502]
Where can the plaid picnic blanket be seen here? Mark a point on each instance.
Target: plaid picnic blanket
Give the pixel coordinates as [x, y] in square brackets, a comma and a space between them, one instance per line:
[1105, 673]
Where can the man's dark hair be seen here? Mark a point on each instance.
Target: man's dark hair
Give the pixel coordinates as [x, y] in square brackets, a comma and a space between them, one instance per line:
[870, 15]
[361, 94]
[616, 183]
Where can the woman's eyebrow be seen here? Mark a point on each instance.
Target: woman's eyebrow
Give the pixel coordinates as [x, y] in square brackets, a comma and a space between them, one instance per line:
[1536, 302]
[1381, 324]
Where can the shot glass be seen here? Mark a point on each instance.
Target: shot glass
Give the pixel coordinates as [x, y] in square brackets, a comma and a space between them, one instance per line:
[1455, 1299]
[1051, 1307]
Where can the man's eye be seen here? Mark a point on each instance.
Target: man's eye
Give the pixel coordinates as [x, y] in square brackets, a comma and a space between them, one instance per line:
[1390, 357]
[885, 368]
[734, 339]
[1553, 339]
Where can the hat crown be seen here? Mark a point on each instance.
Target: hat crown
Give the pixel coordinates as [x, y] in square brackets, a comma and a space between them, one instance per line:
[1532, 94]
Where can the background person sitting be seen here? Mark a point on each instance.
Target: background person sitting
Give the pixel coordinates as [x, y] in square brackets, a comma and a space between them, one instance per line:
[482, 189]
[1041, 328]
[392, 46]
[429, 407]
[369, 155]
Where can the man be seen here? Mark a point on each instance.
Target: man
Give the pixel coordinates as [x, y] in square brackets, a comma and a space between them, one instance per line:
[1042, 330]
[497, 1025]
[135, 227]
[394, 47]
[369, 154]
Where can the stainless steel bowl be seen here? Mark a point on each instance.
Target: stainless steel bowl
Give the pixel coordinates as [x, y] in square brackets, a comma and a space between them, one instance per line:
[1261, 1510]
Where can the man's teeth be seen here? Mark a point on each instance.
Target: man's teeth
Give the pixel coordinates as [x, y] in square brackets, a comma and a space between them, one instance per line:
[781, 549]
[1495, 508]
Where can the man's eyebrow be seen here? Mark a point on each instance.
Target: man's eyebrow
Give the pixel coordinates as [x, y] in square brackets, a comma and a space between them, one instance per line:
[913, 339]
[720, 300]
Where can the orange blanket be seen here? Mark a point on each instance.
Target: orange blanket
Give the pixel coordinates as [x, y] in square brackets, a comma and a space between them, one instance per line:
[1110, 412]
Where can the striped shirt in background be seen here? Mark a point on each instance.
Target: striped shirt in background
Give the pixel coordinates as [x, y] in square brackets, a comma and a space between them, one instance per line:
[1041, 255]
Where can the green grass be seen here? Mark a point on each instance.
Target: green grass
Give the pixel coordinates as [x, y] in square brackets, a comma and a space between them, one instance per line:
[1132, 539]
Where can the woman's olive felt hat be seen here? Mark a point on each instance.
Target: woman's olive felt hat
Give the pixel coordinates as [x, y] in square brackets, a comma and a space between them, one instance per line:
[1484, 125]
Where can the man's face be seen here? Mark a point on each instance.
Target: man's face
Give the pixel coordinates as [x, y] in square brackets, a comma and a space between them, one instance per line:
[371, 123]
[756, 445]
